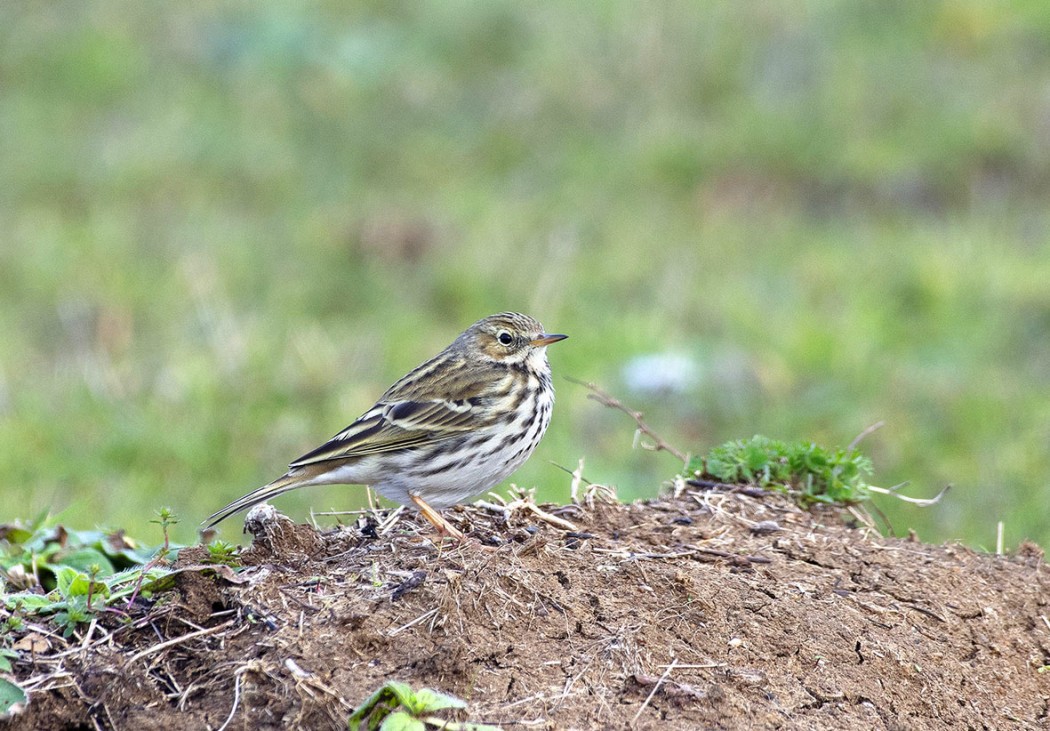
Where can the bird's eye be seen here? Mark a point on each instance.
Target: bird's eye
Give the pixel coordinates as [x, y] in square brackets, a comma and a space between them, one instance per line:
[505, 337]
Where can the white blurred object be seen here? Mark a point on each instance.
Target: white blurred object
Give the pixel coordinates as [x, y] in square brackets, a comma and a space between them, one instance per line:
[661, 374]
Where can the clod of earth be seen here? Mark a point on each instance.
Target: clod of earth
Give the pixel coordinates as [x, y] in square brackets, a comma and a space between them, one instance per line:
[711, 610]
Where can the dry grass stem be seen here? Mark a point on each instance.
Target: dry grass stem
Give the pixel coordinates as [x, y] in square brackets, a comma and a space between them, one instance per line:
[154, 649]
[658, 443]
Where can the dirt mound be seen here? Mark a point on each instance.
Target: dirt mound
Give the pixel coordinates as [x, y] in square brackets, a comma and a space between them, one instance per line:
[710, 610]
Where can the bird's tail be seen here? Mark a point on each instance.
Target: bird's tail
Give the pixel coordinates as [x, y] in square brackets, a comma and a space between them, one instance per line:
[283, 484]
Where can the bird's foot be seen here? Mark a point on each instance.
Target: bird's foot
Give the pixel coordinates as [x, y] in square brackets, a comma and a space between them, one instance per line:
[436, 519]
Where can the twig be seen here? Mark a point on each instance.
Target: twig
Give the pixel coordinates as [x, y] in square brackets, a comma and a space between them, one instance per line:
[391, 520]
[236, 698]
[577, 478]
[863, 517]
[37, 682]
[108, 715]
[90, 631]
[672, 666]
[736, 558]
[597, 394]
[882, 516]
[524, 499]
[923, 610]
[550, 518]
[593, 493]
[178, 640]
[922, 503]
[749, 490]
[873, 428]
[421, 618]
[383, 526]
[637, 555]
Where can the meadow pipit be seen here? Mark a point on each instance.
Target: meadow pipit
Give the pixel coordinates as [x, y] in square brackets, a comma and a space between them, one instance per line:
[452, 428]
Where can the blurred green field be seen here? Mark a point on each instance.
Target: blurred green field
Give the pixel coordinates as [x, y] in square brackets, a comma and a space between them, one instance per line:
[226, 228]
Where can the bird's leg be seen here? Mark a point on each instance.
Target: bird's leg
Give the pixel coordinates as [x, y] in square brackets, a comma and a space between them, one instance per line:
[442, 525]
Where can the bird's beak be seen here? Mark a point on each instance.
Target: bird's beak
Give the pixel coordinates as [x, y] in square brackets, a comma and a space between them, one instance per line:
[546, 339]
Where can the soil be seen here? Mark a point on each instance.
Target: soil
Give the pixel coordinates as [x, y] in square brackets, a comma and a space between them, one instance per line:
[728, 610]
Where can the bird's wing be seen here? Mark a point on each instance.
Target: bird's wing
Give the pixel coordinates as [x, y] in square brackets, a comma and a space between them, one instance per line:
[394, 425]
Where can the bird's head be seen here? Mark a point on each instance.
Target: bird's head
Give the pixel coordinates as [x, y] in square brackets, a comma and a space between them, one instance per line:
[509, 337]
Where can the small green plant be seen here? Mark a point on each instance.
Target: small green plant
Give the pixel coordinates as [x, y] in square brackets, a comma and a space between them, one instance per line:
[10, 625]
[12, 695]
[12, 698]
[69, 576]
[221, 552]
[165, 519]
[396, 707]
[807, 471]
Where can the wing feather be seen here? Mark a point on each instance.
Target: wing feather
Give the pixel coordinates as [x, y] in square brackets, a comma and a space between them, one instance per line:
[398, 425]
[441, 399]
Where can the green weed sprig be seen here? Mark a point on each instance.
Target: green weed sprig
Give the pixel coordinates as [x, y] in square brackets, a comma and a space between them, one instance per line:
[807, 471]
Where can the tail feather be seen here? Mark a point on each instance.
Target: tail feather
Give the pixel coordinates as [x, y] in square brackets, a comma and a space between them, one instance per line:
[279, 486]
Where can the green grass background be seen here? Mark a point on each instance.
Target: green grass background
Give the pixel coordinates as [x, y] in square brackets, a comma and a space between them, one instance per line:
[226, 228]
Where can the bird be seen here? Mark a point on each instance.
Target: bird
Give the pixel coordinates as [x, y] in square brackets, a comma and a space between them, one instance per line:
[448, 430]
